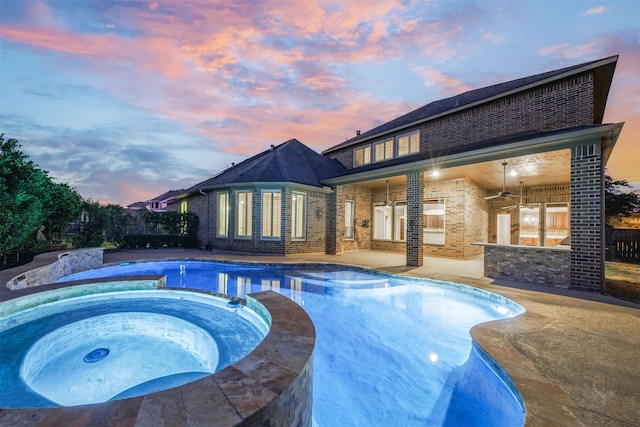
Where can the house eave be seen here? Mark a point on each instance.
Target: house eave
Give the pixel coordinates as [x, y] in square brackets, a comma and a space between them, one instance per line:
[604, 134]
[261, 185]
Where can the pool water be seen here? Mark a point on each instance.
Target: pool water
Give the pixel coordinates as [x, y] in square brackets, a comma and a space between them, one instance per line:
[390, 350]
[92, 348]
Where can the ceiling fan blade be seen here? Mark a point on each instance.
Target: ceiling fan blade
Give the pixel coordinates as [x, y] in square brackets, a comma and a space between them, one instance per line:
[508, 208]
[495, 196]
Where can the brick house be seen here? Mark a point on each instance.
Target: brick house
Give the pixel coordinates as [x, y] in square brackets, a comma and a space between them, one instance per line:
[513, 171]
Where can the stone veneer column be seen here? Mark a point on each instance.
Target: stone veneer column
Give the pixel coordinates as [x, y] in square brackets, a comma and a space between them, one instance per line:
[331, 230]
[415, 189]
[587, 217]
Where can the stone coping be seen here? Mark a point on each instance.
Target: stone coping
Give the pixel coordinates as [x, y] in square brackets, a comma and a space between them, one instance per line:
[270, 386]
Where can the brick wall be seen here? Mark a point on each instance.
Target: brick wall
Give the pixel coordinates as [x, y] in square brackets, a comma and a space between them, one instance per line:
[205, 207]
[317, 212]
[587, 218]
[363, 199]
[415, 189]
[560, 105]
[466, 217]
[529, 264]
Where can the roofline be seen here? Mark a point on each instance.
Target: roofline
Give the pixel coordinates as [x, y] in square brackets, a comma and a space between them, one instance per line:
[580, 69]
[260, 184]
[569, 139]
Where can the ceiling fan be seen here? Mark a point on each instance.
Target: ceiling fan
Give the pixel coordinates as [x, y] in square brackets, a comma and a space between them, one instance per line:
[519, 204]
[504, 193]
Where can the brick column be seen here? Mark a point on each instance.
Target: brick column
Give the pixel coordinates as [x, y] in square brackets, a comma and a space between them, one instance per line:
[587, 217]
[415, 190]
[330, 230]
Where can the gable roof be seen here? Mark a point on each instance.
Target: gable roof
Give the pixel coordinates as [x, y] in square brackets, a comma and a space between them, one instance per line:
[290, 162]
[478, 96]
[166, 196]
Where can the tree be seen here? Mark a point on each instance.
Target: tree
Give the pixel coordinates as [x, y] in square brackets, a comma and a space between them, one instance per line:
[30, 199]
[63, 205]
[22, 193]
[118, 221]
[619, 203]
[93, 222]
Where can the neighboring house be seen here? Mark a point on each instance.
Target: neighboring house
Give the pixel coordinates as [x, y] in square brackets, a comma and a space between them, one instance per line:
[136, 206]
[511, 170]
[160, 203]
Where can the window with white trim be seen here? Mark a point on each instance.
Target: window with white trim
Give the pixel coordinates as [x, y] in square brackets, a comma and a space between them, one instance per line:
[271, 214]
[382, 221]
[383, 150]
[433, 222]
[400, 221]
[243, 214]
[362, 156]
[222, 221]
[408, 143]
[349, 219]
[298, 216]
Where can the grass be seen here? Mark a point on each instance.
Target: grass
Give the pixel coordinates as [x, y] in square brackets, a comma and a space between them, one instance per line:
[622, 280]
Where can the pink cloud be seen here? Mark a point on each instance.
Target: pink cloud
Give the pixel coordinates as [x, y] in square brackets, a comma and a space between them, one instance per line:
[447, 85]
[567, 51]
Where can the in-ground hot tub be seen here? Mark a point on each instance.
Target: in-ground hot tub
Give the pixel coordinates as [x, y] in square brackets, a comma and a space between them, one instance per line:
[97, 343]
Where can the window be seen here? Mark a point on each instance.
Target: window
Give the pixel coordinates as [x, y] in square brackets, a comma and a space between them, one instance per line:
[383, 150]
[298, 216]
[362, 156]
[433, 222]
[271, 209]
[349, 219]
[243, 214]
[556, 227]
[400, 221]
[222, 229]
[183, 218]
[529, 226]
[408, 143]
[382, 222]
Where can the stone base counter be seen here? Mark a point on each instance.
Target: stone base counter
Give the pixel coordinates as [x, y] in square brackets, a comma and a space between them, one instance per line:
[549, 266]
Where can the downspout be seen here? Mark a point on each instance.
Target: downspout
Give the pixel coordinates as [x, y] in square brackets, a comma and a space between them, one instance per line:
[206, 245]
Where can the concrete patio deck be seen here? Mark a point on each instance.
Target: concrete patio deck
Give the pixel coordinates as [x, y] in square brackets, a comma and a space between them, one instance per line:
[574, 355]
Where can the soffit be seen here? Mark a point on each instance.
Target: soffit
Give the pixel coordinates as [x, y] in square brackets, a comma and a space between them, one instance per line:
[535, 170]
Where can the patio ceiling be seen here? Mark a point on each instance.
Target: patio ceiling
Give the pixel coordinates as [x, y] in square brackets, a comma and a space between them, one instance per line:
[535, 170]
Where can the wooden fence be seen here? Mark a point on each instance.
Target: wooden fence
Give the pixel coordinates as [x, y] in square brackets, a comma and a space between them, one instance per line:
[623, 244]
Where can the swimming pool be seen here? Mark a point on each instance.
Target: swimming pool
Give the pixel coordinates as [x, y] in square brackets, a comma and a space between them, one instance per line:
[391, 350]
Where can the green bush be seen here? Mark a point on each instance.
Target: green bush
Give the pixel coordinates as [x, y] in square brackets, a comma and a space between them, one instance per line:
[142, 241]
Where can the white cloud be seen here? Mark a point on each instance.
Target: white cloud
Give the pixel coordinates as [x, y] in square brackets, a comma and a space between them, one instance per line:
[595, 11]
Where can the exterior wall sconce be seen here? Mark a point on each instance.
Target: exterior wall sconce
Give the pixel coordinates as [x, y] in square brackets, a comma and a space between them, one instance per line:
[365, 223]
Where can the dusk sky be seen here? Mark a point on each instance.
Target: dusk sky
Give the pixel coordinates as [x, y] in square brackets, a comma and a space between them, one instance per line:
[124, 100]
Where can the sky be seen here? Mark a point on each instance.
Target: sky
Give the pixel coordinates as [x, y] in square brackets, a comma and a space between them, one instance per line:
[125, 100]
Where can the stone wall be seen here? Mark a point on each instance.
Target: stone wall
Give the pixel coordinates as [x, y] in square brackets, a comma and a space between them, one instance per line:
[68, 263]
[548, 266]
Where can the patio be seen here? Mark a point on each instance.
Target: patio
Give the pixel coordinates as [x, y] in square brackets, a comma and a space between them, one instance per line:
[573, 354]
